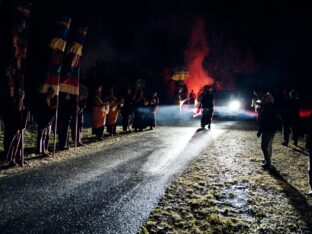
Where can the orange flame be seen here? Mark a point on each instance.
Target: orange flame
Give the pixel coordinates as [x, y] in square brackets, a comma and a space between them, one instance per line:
[195, 54]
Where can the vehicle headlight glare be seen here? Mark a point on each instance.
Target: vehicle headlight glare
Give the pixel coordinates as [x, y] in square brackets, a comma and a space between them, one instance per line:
[234, 105]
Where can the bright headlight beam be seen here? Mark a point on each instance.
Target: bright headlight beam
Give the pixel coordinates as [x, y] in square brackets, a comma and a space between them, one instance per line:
[234, 105]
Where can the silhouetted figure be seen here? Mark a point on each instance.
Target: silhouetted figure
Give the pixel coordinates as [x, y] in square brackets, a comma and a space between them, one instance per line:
[281, 99]
[126, 111]
[44, 115]
[67, 105]
[207, 105]
[291, 118]
[267, 127]
[192, 98]
[256, 101]
[81, 107]
[152, 110]
[309, 148]
[139, 121]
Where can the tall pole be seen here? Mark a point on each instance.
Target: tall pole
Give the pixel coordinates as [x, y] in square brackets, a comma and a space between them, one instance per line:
[76, 122]
[57, 46]
[71, 71]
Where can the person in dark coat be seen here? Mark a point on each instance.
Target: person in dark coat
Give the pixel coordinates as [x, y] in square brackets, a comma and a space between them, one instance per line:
[207, 105]
[139, 121]
[126, 111]
[267, 128]
[152, 110]
[309, 148]
[44, 115]
[291, 118]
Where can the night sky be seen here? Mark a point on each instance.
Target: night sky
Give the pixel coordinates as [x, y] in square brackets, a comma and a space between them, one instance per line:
[156, 33]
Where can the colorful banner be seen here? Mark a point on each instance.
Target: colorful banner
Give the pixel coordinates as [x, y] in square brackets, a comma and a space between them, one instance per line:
[71, 68]
[57, 46]
[16, 70]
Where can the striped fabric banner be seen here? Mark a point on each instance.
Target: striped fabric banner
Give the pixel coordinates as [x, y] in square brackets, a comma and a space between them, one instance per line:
[16, 70]
[71, 68]
[57, 46]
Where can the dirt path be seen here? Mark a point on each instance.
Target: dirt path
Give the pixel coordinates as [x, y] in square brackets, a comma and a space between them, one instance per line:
[226, 191]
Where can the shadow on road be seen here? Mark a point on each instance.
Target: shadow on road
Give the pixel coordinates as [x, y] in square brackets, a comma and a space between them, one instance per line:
[300, 151]
[297, 199]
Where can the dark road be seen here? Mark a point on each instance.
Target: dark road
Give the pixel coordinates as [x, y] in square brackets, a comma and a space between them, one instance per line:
[108, 191]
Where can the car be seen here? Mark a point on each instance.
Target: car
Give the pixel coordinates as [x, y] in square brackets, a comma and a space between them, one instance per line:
[229, 104]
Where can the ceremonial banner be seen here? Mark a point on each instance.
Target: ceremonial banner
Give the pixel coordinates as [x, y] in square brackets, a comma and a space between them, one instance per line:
[71, 66]
[57, 46]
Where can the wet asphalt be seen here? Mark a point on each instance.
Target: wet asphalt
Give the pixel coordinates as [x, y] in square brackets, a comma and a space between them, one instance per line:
[112, 190]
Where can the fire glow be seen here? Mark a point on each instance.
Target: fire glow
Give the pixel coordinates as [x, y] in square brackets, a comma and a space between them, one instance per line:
[195, 54]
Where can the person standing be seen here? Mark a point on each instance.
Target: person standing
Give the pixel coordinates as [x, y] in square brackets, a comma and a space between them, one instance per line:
[152, 110]
[114, 109]
[291, 118]
[81, 107]
[139, 121]
[67, 105]
[206, 105]
[45, 113]
[267, 128]
[99, 110]
[126, 111]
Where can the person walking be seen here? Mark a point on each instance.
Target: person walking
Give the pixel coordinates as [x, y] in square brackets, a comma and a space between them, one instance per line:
[267, 128]
[291, 118]
[207, 105]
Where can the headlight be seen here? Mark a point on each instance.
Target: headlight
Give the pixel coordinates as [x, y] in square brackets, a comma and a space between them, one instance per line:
[234, 105]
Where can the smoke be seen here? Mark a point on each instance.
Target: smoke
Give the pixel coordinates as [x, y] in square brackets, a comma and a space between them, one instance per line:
[194, 56]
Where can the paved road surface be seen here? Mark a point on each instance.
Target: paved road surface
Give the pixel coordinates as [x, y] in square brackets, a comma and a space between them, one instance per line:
[108, 191]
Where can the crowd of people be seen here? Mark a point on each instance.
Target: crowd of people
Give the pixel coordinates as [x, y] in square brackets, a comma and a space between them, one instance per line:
[65, 112]
[134, 107]
[284, 108]
[137, 112]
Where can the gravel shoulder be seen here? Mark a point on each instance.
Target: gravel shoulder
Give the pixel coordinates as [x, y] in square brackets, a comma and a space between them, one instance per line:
[226, 191]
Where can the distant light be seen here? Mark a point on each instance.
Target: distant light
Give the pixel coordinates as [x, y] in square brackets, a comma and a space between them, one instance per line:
[234, 105]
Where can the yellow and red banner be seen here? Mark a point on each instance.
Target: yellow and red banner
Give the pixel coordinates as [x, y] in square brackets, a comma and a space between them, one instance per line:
[71, 69]
[57, 46]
